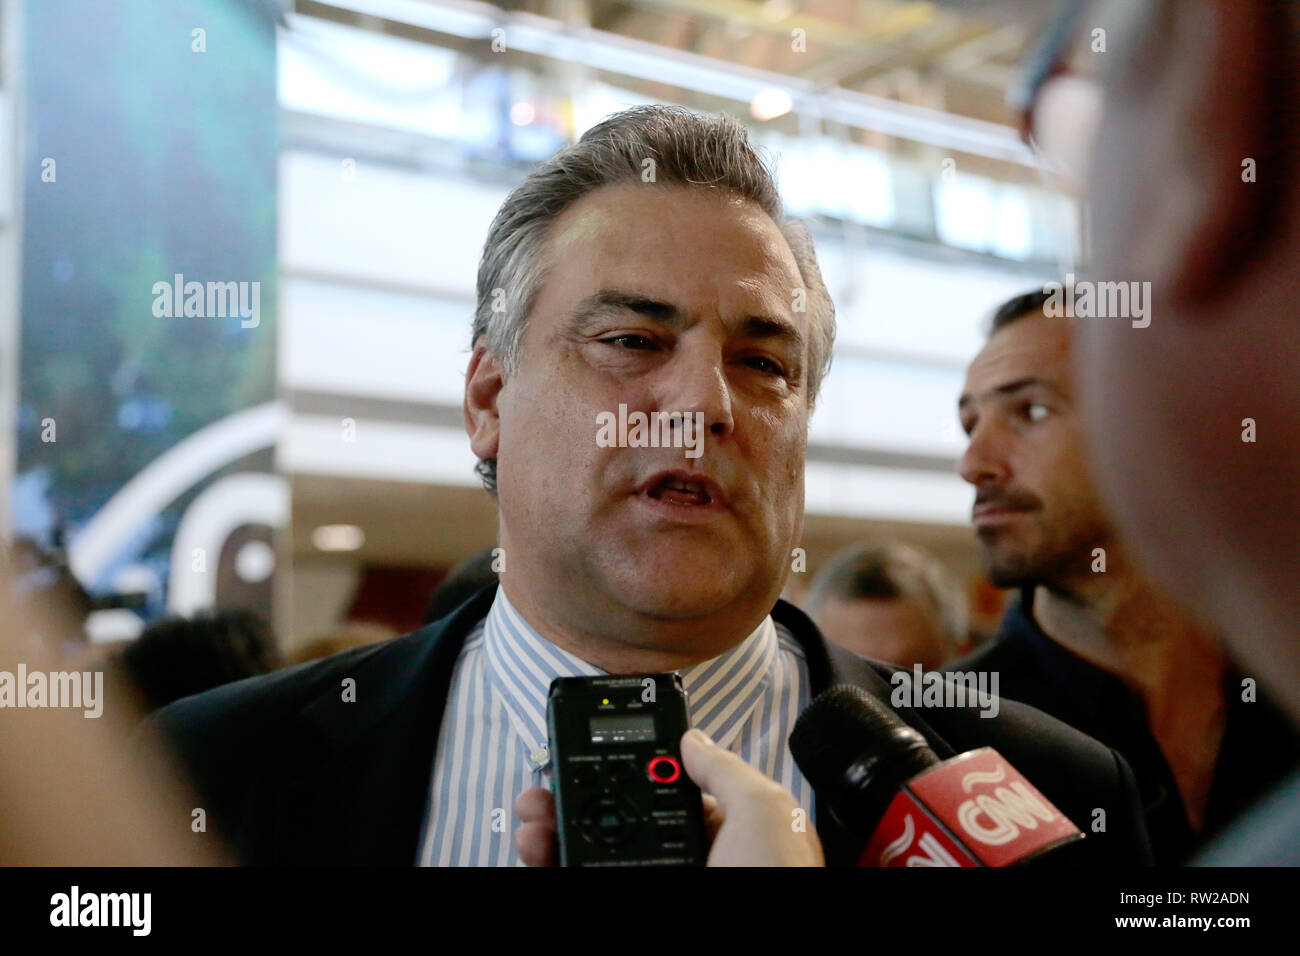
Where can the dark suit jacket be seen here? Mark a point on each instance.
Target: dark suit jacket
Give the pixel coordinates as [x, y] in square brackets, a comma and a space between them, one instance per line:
[292, 774]
[1258, 749]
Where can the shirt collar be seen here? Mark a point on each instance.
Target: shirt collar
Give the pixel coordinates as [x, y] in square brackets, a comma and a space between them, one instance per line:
[521, 663]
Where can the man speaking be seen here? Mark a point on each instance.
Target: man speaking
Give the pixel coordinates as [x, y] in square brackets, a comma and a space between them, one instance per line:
[646, 275]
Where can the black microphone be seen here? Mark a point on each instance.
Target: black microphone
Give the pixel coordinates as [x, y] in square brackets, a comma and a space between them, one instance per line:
[881, 781]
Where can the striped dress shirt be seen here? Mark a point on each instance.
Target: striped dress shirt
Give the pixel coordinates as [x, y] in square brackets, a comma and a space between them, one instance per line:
[492, 742]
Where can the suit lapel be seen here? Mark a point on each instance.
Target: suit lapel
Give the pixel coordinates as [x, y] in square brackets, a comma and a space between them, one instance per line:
[356, 788]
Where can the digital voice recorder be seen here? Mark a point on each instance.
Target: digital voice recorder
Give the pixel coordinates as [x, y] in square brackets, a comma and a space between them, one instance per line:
[622, 797]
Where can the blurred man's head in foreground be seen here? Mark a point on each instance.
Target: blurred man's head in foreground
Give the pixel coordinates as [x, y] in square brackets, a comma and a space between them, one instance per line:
[1195, 419]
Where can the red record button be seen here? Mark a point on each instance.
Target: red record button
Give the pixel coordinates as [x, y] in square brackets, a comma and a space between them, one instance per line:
[664, 769]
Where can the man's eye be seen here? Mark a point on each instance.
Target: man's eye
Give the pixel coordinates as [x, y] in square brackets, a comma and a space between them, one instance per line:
[638, 342]
[1036, 412]
[765, 364]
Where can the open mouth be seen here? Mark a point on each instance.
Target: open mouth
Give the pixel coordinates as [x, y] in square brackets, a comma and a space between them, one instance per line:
[679, 491]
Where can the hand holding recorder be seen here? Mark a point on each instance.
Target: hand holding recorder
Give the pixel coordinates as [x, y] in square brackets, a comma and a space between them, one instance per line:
[747, 815]
[626, 781]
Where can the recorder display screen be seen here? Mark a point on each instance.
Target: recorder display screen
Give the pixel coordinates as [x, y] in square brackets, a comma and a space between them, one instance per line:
[622, 728]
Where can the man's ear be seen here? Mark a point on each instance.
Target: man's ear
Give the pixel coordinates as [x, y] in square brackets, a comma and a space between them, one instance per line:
[1191, 155]
[484, 380]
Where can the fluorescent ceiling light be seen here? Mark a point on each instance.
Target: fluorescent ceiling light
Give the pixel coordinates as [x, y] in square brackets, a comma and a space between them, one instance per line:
[338, 537]
[769, 104]
[521, 114]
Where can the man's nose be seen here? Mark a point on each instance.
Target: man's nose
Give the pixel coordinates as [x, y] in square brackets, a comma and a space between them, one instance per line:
[695, 381]
[985, 459]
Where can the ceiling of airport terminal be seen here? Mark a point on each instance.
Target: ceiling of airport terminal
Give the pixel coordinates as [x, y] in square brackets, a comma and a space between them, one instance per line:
[960, 57]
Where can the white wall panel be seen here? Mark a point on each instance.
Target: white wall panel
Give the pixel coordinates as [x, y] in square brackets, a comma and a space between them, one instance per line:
[382, 225]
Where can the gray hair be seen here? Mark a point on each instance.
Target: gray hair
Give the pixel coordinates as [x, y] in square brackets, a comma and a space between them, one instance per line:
[686, 149]
[888, 570]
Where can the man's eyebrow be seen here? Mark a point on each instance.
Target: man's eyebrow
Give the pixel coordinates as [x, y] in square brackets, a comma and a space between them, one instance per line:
[607, 301]
[764, 327]
[1010, 388]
